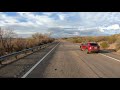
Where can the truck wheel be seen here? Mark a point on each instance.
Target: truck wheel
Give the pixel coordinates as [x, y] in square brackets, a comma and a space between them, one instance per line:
[81, 49]
[97, 52]
[88, 52]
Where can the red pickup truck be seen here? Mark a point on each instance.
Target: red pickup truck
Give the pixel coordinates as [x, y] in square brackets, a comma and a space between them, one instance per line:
[90, 47]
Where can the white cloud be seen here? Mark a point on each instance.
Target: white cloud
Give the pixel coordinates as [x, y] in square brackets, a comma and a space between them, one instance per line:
[61, 16]
[4, 19]
[115, 26]
[48, 13]
[37, 19]
[104, 22]
[25, 32]
[101, 30]
[111, 27]
[94, 19]
[76, 33]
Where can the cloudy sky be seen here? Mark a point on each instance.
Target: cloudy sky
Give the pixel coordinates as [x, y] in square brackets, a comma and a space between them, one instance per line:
[62, 24]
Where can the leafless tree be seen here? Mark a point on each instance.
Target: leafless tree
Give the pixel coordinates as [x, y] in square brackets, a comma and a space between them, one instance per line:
[6, 37]
[10, 43]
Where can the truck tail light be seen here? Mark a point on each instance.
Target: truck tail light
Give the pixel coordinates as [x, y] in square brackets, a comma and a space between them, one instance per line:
[90, 47]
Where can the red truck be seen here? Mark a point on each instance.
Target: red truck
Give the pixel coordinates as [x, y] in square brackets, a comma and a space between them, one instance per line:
[90, 47]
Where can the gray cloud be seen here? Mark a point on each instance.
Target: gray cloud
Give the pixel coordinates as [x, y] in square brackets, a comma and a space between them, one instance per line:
[63, 23]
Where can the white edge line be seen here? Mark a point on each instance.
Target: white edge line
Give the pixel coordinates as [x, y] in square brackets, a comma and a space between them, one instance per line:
[111, 57]
[26, 74]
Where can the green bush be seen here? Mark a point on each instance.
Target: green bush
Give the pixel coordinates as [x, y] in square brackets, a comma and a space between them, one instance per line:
[104, 45]
[111, 39]
[75, 41]
[117, 46]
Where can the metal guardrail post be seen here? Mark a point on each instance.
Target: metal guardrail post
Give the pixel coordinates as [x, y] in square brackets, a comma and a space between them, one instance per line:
[25, 52]
[16, 56]
[0, 62]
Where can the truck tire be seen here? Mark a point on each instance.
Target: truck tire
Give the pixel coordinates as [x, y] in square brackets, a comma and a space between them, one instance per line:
[88, 52]
[81, 49]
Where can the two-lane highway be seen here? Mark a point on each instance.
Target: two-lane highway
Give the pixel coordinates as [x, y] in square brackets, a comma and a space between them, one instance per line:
[65, 60]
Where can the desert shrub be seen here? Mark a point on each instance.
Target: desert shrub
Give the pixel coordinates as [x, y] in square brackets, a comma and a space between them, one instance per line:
[111, 39]
[65, 38]
[2, 51]
[19, 44]
[6, 38]
[117, 44]
[77, 40]
[100, 38]
[104, 44]
[10, 43]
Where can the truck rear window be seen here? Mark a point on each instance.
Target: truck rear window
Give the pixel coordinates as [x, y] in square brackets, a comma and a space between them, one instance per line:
[93, 44]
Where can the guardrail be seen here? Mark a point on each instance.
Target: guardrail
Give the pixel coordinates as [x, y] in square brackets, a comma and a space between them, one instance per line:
[25, 51]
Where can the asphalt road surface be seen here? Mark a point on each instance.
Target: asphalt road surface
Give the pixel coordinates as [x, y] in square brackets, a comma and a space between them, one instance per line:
[65, 60]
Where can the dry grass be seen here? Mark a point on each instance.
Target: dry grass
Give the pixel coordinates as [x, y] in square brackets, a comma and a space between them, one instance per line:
[11, 44]
[118, 44]
[104, 45]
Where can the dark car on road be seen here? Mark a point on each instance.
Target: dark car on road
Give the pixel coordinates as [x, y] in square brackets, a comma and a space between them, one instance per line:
[90, 47]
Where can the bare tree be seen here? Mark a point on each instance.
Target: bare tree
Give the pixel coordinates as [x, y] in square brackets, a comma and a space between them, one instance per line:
[6, 37]
[2, 45]
[9, 43]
